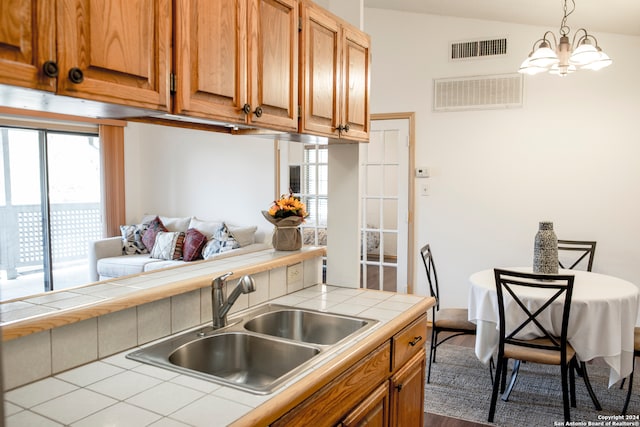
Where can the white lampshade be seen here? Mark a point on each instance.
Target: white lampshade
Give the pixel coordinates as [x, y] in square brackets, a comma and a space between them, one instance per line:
[602, 61]
[527, 68]
[562, 71]
[584, 54]
[543, 57]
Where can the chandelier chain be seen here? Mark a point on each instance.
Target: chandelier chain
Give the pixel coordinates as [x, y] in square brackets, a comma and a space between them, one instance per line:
[564, 28]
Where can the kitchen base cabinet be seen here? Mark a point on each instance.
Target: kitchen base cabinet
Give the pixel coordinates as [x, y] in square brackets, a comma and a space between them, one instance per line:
[407, 393]
[385, 388]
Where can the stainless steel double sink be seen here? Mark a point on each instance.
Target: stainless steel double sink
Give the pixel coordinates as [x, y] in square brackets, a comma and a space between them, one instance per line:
[259, 350]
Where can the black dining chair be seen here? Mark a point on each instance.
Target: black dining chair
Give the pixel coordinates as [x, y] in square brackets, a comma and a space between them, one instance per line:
[454, 321]
[549, 349]
[576, 254]
[636, 353]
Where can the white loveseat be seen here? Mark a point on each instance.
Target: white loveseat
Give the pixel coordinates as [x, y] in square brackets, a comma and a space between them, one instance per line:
[118, 256]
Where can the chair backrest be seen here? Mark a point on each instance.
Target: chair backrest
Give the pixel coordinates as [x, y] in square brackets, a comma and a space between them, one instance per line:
[511, 284]
[432, 276]
[574, 253]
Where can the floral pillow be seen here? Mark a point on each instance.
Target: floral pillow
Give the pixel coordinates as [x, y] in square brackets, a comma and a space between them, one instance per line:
[194, 241]
[222, 241]
[132, 239]
[168, 245]
[149, 236]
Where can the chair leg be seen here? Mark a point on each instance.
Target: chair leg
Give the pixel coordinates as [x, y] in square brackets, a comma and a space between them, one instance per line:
[572, 381]
[565, 393]
[500, 368]
[514, 377]
[628, 398]
[587, 383]
[432, 353]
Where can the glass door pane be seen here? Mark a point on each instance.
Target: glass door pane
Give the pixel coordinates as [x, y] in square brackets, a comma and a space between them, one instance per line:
[74, 198]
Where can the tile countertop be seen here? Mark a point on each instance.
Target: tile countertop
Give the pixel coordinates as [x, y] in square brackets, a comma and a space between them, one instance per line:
[117, 391]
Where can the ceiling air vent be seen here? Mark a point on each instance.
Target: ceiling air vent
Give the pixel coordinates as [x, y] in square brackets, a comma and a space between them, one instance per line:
[478, 49]
[478, 92]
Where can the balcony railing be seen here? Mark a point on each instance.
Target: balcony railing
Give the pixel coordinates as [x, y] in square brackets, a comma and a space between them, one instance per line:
[73, 226]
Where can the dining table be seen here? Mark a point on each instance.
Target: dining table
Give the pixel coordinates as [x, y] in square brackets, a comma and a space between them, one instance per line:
[602, 317]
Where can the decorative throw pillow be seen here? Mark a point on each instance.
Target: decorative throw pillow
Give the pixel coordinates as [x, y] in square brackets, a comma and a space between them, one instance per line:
[132, 239]
[222, 241]
[208, 228]
[244, 235]
[168, 245]
[149, 236]
[194, 241]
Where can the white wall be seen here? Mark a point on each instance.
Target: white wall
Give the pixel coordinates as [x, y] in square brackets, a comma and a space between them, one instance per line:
[570, 155]
[179, 172]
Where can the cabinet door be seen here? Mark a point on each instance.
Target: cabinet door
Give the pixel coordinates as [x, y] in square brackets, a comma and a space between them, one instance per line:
[372, 412]
[273, 63]
[355, 102]
[116, 51]
[321, 72]
[211, 51]
[407, 393]
[27, 41]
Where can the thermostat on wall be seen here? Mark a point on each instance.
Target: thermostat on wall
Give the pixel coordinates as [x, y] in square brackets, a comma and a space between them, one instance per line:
[422, 172]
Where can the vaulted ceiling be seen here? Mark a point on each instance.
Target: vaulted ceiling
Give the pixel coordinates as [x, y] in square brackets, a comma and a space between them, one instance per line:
[611, 16]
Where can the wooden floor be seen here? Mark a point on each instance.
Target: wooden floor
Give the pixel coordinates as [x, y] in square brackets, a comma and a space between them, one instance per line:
[433, 420]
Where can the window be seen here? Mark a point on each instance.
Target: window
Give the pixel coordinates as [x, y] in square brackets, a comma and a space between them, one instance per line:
[313, 192]
[50, 205]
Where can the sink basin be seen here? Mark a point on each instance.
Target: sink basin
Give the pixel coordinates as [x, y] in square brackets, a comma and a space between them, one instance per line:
[306, 326]
[240, 358]
[259, 350]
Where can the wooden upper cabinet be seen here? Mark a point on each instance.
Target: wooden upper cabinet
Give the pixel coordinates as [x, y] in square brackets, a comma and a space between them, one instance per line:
[334, 81]
[356, 84]
[237, 61]
[116, 51]
[273, 63]
[27, 42]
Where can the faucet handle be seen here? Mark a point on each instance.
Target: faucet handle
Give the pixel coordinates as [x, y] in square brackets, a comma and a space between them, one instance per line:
[220, 279]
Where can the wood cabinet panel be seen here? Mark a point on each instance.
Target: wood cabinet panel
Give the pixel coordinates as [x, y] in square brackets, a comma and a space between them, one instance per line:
[115, 51]
[273, 64]
[321, 72]
[27, 42]
[356, 84]
[336, 399]
[407, 393]
[372, 412]
[210, 56]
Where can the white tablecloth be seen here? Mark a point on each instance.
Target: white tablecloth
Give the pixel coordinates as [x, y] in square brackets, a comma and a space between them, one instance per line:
[604, 310]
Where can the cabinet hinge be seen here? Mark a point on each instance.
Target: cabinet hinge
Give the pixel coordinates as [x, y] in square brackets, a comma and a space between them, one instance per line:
[299, 23]
[299, 110]
[172, 83]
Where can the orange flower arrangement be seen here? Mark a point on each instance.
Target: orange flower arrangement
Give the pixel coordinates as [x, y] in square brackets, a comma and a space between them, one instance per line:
[288, 205]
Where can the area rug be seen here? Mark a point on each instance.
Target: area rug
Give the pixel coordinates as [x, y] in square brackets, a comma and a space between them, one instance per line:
[460, 387]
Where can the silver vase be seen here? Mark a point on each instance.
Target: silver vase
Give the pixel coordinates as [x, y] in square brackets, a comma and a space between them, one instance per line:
[545, 249]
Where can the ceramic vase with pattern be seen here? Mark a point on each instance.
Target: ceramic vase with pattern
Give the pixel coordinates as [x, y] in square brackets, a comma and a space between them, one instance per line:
[545, 249]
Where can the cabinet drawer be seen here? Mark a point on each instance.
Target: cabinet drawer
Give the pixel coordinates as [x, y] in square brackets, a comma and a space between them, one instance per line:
[409, 341]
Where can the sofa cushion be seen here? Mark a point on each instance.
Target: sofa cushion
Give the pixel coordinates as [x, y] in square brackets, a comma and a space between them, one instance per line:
[132, 239]
[168, 245]
[149, 236]
[208, 228]
[245, 236]
[171, 223]
[222, 241]
[194, 241]
[123, 265]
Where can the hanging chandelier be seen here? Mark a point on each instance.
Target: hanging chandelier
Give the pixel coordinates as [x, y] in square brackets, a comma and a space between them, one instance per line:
[583, 53]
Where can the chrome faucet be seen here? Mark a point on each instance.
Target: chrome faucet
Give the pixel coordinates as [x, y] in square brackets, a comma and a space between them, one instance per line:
[219, 306]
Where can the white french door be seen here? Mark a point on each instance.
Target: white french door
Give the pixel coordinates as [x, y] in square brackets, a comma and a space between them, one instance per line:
[385, 206]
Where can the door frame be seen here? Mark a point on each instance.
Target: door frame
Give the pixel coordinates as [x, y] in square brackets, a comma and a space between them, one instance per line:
[410, 116]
